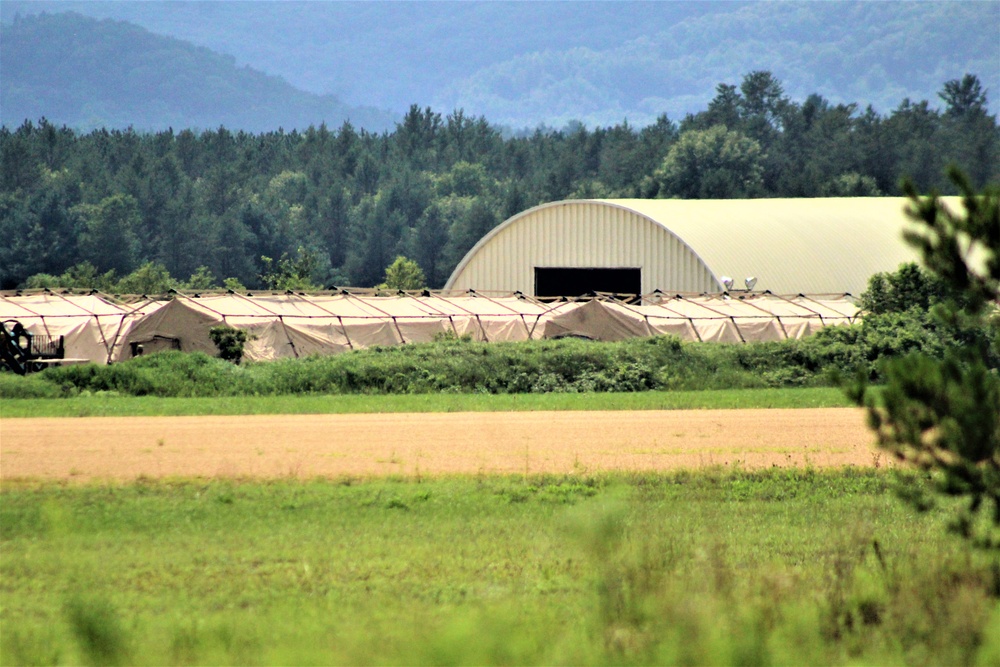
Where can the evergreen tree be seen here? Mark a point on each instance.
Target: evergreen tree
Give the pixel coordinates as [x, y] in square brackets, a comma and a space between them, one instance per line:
[473, 219]
[427, 245]
[969, 134]
[374, 240]
[943, 416]
[109, 239]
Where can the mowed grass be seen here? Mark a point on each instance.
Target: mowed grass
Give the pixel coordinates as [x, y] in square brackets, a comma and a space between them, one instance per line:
[774, 567]
[108, 405]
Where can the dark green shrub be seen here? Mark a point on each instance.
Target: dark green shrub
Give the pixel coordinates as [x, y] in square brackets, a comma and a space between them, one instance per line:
[230, 342]
[31, 386]
[162, 374]
[910, 286]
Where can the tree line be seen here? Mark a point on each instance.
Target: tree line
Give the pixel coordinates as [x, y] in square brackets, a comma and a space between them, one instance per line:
[327, 207]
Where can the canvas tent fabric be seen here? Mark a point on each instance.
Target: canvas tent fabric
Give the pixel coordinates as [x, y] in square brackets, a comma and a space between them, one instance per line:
[92, 326]
[291, 325]
[597, 320]
[99, 329]
[704, 318]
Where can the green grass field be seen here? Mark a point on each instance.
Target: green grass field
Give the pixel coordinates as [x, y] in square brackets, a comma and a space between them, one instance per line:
[109, 405]
[778, 567]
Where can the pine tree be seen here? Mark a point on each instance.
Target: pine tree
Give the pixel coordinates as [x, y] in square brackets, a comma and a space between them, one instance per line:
[942, 417]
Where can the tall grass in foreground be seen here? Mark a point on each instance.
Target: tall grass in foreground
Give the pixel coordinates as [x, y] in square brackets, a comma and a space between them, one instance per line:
[775, 567]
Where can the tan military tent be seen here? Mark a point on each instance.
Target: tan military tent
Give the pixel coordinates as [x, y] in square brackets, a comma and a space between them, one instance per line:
[91, 326]
[296, 325]
[99, 329]
[711, 318]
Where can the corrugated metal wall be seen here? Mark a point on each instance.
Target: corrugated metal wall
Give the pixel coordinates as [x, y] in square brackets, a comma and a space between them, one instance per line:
[581, 234]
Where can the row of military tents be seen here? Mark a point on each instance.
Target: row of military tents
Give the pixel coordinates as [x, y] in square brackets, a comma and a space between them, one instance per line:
[104, 329]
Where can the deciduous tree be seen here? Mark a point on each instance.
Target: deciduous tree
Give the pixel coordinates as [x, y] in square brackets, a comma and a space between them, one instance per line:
[716, 163]
[404, 274]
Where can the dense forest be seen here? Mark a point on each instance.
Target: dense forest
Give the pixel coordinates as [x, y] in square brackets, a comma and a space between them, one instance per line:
[329, 206]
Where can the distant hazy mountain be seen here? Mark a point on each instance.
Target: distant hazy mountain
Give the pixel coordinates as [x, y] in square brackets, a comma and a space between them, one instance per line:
[87, 73]
[874, 53]
[525, 63]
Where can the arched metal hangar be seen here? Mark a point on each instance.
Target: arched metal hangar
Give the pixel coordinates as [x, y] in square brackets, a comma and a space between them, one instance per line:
[809, 246]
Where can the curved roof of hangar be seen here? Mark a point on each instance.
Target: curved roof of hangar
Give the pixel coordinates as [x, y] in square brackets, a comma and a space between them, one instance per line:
[792, 245]
[817, 245]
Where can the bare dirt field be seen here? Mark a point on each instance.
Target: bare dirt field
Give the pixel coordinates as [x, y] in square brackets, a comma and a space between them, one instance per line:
[305, 446]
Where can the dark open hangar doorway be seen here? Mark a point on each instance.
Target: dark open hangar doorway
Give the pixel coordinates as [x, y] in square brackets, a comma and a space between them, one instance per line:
[557, 281]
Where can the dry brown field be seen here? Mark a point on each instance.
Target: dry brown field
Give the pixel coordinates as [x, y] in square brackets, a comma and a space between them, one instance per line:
[410, 445]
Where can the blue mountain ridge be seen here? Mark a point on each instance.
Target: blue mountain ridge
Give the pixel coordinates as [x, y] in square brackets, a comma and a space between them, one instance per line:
[521, 64]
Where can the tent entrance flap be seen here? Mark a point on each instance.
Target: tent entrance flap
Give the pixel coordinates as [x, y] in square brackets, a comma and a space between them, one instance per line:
[562, 281]
[154, 344]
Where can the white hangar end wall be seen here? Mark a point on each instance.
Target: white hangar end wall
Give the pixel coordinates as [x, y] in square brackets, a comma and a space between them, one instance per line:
[809, 246]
